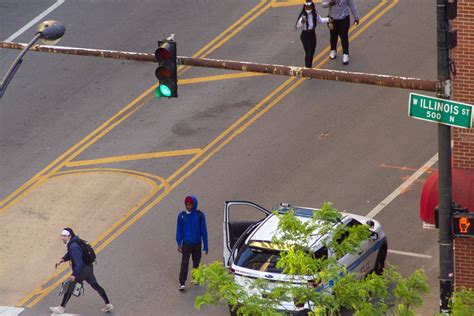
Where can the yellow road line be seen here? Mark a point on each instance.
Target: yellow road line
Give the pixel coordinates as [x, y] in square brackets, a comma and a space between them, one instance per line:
[233, 25]
[85, 139]
[32, 182]
[237, 30]
[261, 103]
[289, 3]
[236, 75]
[238, 131]
[162, 154]
[145, 176]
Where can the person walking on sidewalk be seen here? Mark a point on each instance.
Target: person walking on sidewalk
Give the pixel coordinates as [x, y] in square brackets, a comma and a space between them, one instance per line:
[191, 233]
[307, 20]
[340, 24]
[82, 270]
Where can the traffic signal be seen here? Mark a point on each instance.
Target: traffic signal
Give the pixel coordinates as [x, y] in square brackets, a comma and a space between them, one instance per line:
[166, 72]
[463, 222]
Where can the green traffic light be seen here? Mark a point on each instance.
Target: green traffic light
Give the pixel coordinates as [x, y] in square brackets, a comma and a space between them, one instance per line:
[164, 90]
[158, 92]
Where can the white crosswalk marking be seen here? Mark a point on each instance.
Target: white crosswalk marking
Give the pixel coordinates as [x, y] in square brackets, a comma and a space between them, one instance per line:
[410, 254]
[10, 311]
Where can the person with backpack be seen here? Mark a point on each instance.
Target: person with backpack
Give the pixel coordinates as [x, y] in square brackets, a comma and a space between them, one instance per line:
[81, 255]
[191, 233]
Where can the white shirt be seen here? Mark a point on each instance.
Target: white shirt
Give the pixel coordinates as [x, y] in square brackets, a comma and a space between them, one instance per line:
[311, 25]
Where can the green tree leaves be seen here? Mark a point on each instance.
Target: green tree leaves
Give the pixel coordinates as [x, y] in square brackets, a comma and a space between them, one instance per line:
[315, 278]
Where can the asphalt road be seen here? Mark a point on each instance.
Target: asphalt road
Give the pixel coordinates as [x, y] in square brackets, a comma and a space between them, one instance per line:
[265, 139]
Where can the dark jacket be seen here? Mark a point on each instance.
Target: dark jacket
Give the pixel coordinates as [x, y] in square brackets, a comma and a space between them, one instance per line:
[75, 254]
[188, 230]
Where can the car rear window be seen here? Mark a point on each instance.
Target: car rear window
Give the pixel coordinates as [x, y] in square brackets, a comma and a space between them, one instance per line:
[258, 259]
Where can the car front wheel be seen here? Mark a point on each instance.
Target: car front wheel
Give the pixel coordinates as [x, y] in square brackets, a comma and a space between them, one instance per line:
[380, 262]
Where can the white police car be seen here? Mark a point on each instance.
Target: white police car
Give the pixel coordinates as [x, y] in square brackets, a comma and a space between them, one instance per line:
[249, 253]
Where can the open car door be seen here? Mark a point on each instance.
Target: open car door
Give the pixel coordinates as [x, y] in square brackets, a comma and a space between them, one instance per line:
[238, 216]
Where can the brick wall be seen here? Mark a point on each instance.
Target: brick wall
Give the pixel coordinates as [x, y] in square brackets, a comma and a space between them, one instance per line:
[463, 258]
[463, 150]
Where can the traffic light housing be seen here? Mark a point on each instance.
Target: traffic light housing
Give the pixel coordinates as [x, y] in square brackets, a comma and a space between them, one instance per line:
[167, 71]
[462, 222]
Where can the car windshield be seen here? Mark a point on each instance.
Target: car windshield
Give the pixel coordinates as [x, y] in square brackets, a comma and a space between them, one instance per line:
[258, 259]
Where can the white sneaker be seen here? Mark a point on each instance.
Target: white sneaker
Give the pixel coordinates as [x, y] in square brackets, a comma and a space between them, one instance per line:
[332, 54]
[345, 59]
[182, 287]
[57, 310]
[107, 308]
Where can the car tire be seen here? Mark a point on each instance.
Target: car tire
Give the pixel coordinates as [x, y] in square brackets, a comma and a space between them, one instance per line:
[231, 312]
[380, 262]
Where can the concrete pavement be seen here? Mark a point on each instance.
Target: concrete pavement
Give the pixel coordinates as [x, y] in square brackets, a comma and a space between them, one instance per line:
[317, 143]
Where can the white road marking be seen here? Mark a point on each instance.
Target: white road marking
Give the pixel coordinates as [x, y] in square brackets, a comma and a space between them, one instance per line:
[403, 187]
[10, 311]
[429, 226]
[35, 20]
[411, 254]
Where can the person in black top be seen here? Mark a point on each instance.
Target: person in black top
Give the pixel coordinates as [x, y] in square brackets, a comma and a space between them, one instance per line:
[307, 21]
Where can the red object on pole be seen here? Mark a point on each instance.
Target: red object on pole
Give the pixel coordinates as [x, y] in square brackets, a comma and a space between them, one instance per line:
[463, 193]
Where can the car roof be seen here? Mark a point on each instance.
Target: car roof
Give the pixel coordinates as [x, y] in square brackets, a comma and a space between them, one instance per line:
[262, 236]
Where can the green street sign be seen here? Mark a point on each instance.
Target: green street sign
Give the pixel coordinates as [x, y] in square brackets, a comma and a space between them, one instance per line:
[438, 110]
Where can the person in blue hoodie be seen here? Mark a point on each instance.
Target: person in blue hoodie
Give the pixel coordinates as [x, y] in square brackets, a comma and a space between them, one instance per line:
[191, 233]
[80, 272]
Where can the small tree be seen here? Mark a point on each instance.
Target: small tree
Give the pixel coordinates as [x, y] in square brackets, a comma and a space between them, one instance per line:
[336, 288]
[462, 302]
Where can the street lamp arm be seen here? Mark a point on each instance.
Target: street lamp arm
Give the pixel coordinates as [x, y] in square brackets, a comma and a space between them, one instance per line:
[16, 64]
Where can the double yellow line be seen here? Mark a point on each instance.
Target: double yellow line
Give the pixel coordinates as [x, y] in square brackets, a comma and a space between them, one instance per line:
[52, 169]
[201, 157]
[128, 110]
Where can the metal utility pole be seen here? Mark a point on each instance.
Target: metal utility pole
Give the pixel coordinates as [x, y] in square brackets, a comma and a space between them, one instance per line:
[272, 69]
[446, 262]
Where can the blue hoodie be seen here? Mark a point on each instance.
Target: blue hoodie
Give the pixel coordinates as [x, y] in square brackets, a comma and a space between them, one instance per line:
[74, 253]
[188, 230]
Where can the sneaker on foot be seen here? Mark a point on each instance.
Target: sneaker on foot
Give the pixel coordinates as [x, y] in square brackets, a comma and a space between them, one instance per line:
[107, 308]
[182, 287]
[345, 59]
[57, 309]
[332, 54]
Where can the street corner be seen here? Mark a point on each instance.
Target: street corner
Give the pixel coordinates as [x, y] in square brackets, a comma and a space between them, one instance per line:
[89, 201]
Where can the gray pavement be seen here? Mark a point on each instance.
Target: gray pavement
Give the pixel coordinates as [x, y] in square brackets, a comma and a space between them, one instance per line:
[324, 141]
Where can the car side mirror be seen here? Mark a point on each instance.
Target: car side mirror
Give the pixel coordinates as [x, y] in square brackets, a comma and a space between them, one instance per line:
[370, 223]
[374, 236]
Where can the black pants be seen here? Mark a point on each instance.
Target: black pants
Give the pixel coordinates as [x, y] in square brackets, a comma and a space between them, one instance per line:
[187, 251]
[341, 29]
[309, 44]
[87, 274]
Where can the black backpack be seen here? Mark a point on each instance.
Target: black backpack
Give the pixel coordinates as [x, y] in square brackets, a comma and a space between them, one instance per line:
[88, 253]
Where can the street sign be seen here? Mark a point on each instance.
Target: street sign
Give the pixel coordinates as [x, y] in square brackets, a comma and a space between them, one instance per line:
[463, 224]
[438, 110]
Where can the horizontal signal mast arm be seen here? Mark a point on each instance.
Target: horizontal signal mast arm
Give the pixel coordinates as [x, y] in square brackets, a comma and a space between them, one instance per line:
[323, 74]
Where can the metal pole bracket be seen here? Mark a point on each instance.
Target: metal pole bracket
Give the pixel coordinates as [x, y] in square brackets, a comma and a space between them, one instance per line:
[444, 89]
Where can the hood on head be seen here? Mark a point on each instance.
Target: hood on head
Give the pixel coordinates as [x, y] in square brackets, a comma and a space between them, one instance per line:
[195, 202]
